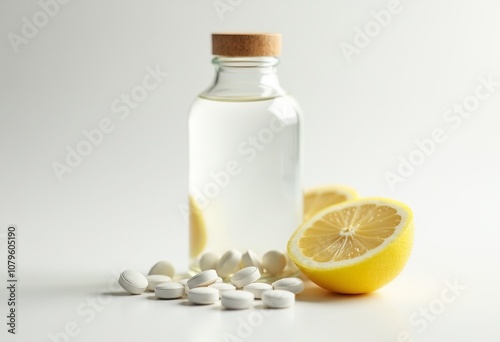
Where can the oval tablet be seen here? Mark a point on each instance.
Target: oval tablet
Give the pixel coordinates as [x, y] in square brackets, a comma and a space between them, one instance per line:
[133, 282]
[223, 287]
[155, 279]
[274, 262]
[229, 263]
[204, 278]
[245, 276]
[294, 285]
[170, 290]
[278, 299]
[163, 267]
[237, 300]
[208, 261]
[257, 289]
[203, 295]
[249, 258]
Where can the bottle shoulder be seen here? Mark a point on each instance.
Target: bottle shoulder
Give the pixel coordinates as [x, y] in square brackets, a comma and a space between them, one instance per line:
[235, 94]
[282, 99]
[283, 107]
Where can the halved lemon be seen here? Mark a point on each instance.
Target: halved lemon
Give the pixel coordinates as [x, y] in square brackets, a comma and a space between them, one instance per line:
[197, 229]
[319, 198]
[356, 246]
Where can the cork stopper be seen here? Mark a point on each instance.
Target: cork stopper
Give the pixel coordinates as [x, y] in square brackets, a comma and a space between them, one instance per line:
[246, 44]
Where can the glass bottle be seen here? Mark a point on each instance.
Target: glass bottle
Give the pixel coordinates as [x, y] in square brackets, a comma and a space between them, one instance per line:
[245, 187]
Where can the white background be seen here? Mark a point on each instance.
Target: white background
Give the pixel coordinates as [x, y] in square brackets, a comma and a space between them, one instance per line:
[119, 207]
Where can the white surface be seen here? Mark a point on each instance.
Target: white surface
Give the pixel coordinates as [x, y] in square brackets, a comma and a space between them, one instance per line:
[119, 208]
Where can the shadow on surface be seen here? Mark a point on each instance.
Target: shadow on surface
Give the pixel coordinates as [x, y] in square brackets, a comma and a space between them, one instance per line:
[117, 294]
[314, 293]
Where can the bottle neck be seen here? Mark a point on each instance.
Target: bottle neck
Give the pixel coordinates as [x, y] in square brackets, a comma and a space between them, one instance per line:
[244, 78]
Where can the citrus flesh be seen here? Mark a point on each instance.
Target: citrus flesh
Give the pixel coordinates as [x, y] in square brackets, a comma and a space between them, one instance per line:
[197, 229]
[356, 246]
[319, 198]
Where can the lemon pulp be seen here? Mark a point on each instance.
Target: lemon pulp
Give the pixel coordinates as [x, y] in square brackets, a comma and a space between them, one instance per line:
[318, 198]
[356, 246]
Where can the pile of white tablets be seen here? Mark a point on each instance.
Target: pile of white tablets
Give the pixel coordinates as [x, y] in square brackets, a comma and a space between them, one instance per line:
[273, 263]
[207, 287]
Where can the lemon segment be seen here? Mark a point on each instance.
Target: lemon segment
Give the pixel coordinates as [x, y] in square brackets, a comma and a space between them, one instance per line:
[319, 198]
[197, 229]
[356, 246]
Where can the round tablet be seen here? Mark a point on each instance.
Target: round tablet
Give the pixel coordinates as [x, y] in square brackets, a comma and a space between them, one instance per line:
[163, 267]
[133, 282]
[169, 290]
[249, 258]
[294, 285]
[208, 261]
[237, 300]
[278, 299]
[229, 263]
[274, 262]
[204, 278]
[257, 289]
[223, 287]
[155, 279]
[245, 276]
[203, 295]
